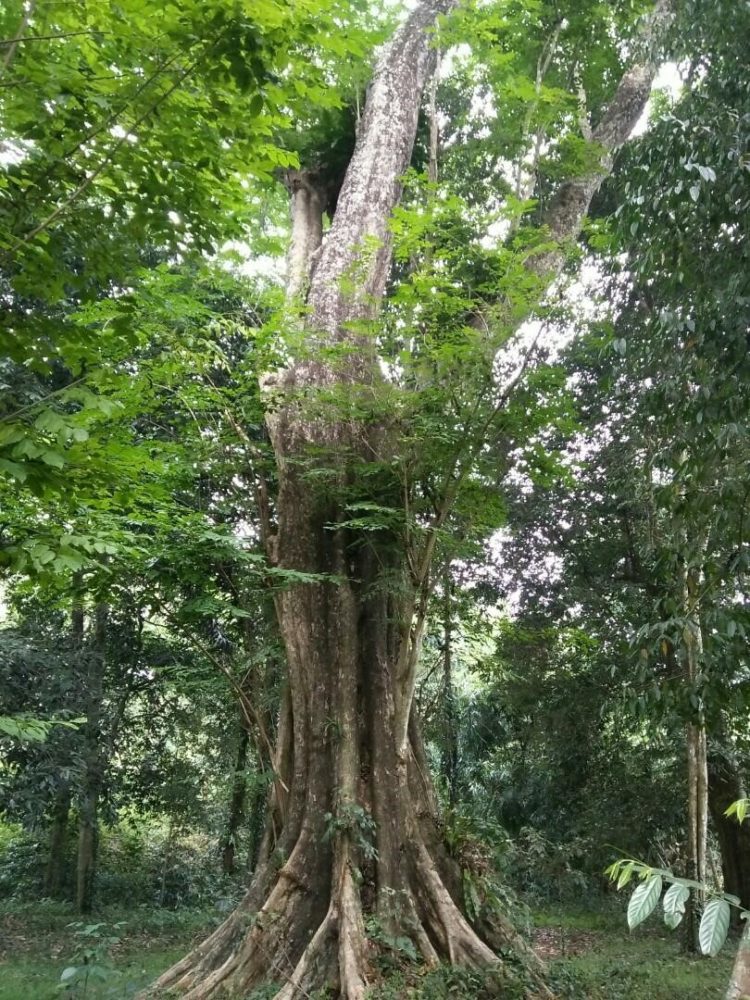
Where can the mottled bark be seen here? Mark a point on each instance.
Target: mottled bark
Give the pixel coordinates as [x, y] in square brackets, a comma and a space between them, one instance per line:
[308, 198]
[450, 721]
[565, 214]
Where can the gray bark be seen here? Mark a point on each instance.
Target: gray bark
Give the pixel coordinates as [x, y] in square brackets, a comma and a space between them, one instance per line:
[308, 196]
[739, 983]
[567, 210]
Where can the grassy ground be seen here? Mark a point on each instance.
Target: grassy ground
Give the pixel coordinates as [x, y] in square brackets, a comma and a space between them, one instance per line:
[596, 958]
[592, 955]
[37, 944]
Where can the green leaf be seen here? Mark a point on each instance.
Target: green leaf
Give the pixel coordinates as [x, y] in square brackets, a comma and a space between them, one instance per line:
[643, 900]
[740, 809]
[714, 926]
[67, 974]
[626, 874]
[53, 458]
[14, 469]
[674, 904]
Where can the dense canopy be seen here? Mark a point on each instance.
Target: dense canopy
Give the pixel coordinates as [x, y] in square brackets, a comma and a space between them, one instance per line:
[373, 485]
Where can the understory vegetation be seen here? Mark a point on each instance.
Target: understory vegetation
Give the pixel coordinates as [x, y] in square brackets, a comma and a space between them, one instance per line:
[374, 481]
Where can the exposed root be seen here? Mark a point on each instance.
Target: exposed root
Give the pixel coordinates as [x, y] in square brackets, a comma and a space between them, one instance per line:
[455, 936]
[183, 974]
[308, 971]
[351, 939]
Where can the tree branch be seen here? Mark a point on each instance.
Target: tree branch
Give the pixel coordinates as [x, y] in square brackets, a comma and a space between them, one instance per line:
[359, 238]
[12, 44]
[567, 210]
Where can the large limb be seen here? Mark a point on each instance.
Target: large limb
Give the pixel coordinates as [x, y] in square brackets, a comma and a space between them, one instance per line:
[567, 210]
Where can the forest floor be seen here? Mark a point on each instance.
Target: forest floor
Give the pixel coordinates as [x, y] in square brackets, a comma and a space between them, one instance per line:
[597, 958]
[591, 954]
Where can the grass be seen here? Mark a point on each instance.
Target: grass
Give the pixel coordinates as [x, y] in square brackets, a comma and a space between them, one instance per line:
[25, 978]
[37, 943]
[591, 954]
[595, 957]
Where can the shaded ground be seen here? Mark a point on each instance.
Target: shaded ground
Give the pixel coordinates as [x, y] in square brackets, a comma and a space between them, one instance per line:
[591, 954]
[595, 957]
[37, 944]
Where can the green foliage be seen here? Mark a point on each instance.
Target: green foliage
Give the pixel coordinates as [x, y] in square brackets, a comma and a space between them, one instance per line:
[22, 728]
[395, 950]
[140, 863]
[599, 962]
[451, 982]
[644, 900]
[141, 145]
[91, 961]
[714, 924]
[740, 809]
[356, 822]
[674, 902]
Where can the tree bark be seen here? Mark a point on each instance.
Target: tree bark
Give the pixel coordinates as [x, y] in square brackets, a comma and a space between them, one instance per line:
[739, 984]
[450, 721]
[697, 758]
[358, 828]
[58, 841]
[725, 786]
[236, 806]
[93, 777]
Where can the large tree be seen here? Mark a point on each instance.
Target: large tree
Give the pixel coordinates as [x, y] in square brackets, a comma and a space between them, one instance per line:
[356, 825]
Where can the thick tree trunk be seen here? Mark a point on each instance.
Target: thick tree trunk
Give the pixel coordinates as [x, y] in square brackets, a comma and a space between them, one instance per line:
[58, 841]
[236, 806]
[355, 822]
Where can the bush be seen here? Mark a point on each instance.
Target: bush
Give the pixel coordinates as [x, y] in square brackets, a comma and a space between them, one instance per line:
[453, 983]
[22, 864]
[139, 864]
[544, 871]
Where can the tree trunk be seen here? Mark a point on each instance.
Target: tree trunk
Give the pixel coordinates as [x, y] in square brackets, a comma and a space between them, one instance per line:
[450, 721]
[739, 984]
[58, 841]
[725, 787]
[256, 825]
[697, 759]
[236, 806]
[358, 830]
[93, 777]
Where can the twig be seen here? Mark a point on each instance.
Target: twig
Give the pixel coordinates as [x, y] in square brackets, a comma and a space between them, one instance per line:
[88, 181]
[13, 43]
[21, 39]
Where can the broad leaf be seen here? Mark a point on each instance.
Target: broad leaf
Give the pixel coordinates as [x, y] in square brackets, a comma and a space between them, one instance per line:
[643, 900]
[674, 902]
[714, 926]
